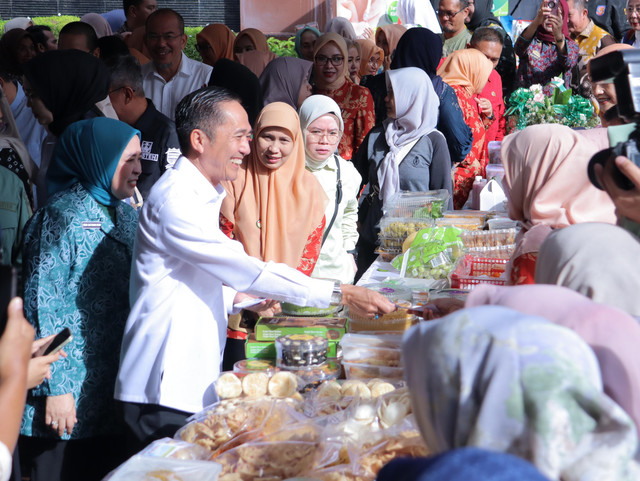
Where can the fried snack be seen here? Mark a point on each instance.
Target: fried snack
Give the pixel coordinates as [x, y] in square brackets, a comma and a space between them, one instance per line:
[228, 386]
[162, 475]
[407, 444]
[356, 388]
[330, 389]
[255, 384]
[283, 384]
[380, 388]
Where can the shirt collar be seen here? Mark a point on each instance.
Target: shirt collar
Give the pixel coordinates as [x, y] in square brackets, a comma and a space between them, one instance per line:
[185, 69]
[201, 185]
[587, 31]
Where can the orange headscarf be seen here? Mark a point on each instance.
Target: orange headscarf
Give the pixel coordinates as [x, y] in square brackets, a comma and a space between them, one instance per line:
[220, 38]
[275, 211]
[257, 37]
[468, 68]
[369, 49]
[392, 33]
[342, 45]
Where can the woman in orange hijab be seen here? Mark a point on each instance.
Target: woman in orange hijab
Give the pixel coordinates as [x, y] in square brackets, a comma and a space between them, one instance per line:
[467, 72]
[275, 207]
[387, 37]
[214, 42]
[252, 50]
[371, 58]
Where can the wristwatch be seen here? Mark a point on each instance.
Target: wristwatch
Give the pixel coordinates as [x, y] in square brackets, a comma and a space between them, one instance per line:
[336, 294]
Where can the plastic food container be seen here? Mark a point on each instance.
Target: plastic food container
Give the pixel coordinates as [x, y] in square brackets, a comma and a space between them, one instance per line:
[497, 252]
[372, 356]
[421, 205]
[499, 223]
[301, 350]
[495, 152]
[392, 228]
[396, 321]
[366, 371]
[326, 371]
[393, 293]
[464, 223]
[303, 311]
[387, 340]
[472, 271]
[255, 365]
[489, 238]
[495, 171]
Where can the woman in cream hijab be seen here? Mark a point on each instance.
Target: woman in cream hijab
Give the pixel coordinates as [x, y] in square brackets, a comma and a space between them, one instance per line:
[548, 188]
[275, 208]
[322, 126]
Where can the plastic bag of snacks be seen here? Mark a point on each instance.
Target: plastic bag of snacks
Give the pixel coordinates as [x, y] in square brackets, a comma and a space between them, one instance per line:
[143, 468]
[432, 254]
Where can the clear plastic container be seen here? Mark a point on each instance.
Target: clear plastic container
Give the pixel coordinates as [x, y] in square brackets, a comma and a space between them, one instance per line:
[495, 171]
[421, 205]
[301, 350]
[495, 152]
[393, 293]
[367, 371]
[397, 321]
[372, 356]
[246, 366]
[464, 223]
[498, 223]
[387, 340]
[489, 238]
[399, 228]
[326, 371]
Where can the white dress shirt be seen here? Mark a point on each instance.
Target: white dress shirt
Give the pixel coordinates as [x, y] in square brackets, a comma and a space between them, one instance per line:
[334, 261]
[191, 76]
[5, 462]
[176, 332]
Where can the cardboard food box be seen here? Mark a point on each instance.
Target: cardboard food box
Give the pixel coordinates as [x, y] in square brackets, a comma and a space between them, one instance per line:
[271, 328]
[267, 349]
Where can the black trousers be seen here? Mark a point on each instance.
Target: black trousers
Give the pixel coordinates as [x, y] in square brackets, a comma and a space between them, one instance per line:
[44, 459]
[144, 423]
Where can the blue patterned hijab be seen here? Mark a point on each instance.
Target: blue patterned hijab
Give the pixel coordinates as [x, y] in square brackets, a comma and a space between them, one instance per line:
[88, 152]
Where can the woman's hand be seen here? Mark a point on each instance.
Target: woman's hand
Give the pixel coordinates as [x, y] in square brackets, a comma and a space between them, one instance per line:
[266, 308]
[484, 105]
[556, 28]
[441, 307]
[543, 13]
[60, 413]
[365, 302]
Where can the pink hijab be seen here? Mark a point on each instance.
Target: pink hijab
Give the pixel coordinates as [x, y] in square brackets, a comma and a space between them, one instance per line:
[613, 335]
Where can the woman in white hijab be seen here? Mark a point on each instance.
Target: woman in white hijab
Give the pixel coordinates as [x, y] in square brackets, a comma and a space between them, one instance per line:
[322, 126]
[494, 378]
[405, 153]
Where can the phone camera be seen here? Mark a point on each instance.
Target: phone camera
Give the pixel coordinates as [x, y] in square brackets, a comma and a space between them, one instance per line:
[551, 4]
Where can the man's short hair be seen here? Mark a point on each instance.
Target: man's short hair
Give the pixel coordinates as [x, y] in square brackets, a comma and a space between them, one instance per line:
[463, 3]
[486, 34]
[37, 33]
[201, 110]
[82, 28]
[165, 11]
[125, 71]
[580, 5]
[127, 4]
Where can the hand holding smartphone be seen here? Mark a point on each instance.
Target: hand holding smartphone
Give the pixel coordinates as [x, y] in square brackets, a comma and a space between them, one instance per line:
[553, 5]
[63, 338]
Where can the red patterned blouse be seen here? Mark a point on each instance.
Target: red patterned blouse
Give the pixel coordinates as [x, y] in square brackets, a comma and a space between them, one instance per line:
[475, 162]
[358, 114]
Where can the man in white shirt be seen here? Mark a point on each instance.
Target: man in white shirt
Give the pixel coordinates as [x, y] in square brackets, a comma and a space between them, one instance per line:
[171, 74]
[183, 267]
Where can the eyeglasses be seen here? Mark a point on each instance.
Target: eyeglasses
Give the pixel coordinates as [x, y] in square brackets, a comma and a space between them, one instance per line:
[315, 135]
[203, 48]
[120, 88]
[631, 10]
[336, 60]
[167, 37]
[374, 61]
[449, 14]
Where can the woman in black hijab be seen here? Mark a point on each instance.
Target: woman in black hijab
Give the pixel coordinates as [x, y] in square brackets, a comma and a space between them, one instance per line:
[240, 80]
[420, 47]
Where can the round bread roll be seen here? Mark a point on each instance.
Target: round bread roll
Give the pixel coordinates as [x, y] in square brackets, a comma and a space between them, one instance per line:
[356, 388]
[228, 386]
[330, 389]
[283, 384]
[380, 388]
[255, 384]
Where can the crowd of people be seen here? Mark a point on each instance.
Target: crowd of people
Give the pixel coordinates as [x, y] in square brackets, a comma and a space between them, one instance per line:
[157, 205]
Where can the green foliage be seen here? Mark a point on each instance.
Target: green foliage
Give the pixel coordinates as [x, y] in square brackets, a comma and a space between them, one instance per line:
[282, 48]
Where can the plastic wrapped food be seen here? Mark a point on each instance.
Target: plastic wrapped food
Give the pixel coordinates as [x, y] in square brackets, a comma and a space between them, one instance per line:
[399, 320]
[419, 205]
[489, 238]
[465, 223]
[374, 356]
[294, 310]
[144, 468]
[176, 449]
[300, 350]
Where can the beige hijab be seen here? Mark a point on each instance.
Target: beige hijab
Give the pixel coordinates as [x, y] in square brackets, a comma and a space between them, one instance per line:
[369, 49]
[275, 211]
[342, 45]
[468, 68]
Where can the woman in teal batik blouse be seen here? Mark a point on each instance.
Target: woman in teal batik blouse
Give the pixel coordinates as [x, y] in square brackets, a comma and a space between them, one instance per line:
[77, 257]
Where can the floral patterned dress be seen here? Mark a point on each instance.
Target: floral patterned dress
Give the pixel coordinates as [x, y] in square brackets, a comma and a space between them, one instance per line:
[476, 160]
[358, 114]
[77, 263]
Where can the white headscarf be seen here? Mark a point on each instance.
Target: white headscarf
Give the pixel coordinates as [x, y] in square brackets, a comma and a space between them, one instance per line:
[418, 12]
[311, 109]
[417, 106]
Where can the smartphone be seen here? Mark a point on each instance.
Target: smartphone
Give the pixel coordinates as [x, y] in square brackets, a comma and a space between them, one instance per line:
[63, 338]
[553, 5]
[8, 290]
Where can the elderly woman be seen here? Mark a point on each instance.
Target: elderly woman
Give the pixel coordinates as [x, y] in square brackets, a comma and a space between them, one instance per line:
[493, 378]
[548, 188]
[467, 72]
[331, 77]
[77, 255]
[322, 126]
[405, 153]
[632, 37]
[545, 49]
